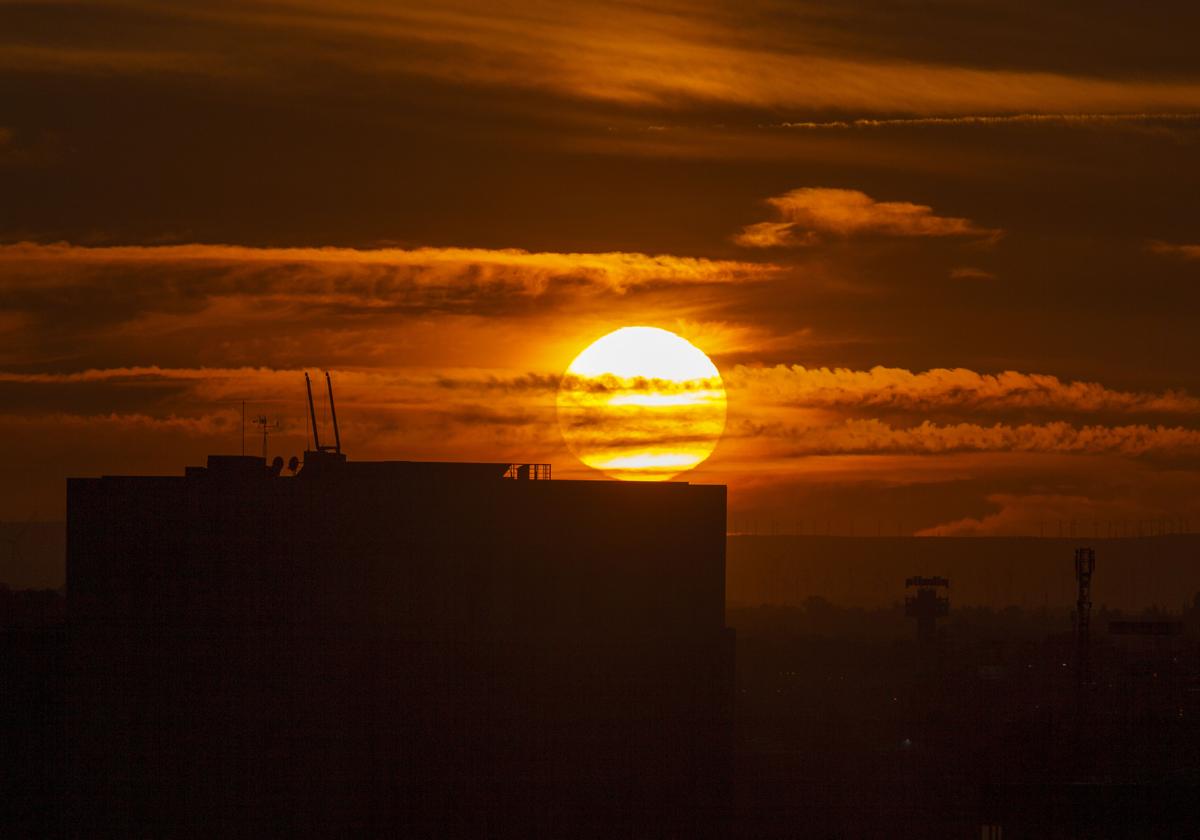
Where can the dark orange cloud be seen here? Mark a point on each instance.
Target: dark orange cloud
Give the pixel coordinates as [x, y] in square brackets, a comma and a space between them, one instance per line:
[811, 214]
[216, 306]
[337, 272]
[876, 436]
[1186, 252]
[940, 389]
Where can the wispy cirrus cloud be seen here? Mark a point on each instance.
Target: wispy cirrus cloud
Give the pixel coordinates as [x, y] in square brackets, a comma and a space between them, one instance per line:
[986, 120]
[810, 215]
[816, 56]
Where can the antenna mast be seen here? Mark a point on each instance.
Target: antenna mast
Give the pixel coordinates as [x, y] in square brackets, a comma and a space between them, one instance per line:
[262, 422]
[313, 412]
[1085, 564]
[337, 438]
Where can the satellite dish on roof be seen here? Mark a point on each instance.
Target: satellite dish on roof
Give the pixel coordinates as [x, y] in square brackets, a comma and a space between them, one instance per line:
[293, 464]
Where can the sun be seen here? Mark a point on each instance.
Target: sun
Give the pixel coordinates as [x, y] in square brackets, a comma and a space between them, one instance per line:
[642, 404]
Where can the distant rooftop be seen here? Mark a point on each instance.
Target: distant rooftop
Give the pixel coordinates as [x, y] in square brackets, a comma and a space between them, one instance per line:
[320, 464]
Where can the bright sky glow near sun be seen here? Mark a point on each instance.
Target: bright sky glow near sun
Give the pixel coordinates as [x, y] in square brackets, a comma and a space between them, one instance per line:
[642, 404]
[946, 263]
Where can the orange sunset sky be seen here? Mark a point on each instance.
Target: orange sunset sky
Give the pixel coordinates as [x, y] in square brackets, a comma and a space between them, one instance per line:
[946, 256]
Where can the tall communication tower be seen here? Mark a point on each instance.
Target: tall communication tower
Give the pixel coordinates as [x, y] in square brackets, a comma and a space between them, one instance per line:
[1085, 564]
[926, 606]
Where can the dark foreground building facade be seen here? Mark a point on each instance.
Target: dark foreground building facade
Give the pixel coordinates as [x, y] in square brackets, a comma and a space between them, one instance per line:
[397, 649]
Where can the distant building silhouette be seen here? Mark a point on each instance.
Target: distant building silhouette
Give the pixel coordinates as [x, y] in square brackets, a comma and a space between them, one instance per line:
[926, 606]
[397, 648]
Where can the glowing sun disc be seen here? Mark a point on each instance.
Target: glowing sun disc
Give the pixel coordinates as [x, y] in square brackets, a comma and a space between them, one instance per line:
[642, 404]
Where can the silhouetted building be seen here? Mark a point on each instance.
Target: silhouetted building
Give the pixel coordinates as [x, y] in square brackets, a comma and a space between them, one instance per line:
[399, 648]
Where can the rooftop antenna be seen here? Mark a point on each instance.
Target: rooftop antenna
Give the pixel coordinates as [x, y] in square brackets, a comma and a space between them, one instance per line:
[261, 422]
[313, 412]
[337, 438]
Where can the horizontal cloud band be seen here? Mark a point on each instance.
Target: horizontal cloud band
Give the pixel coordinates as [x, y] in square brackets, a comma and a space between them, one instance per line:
[867, 437]
[530, 271]
[784, 386]
[898, 388]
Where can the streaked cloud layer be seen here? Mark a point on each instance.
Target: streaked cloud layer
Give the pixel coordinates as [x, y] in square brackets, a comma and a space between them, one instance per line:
[780, 418]
[882, 387]
[999, 120]
[422, 267]
[770, 57]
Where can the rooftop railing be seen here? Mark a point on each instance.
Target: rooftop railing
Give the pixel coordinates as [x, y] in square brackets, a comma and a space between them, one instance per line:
[528, 472]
